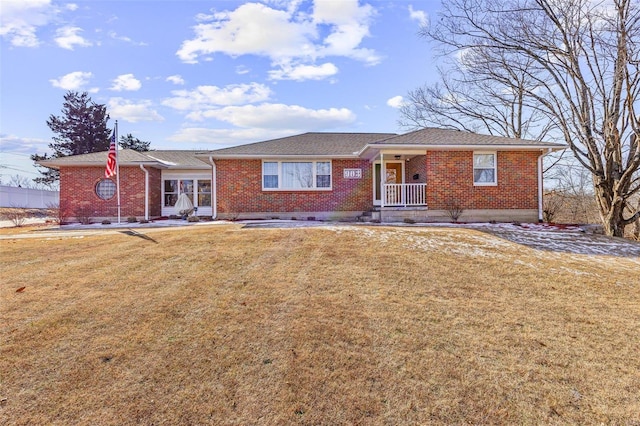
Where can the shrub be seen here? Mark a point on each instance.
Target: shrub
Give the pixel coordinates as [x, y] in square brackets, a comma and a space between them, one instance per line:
[132, 219]
[454, 209]
[17, 215]
[83, 214]
[54, 211]
[106, 222]
[193, 219]
[552, 204]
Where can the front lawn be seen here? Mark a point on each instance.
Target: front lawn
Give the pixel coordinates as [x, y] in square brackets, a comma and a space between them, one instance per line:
[329, 325]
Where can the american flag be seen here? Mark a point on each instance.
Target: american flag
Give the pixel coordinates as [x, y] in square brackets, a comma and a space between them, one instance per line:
[110, 171]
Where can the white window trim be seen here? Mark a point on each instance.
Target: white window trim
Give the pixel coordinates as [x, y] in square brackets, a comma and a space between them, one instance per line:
[314, 168]
[195, 180]
[495, 168]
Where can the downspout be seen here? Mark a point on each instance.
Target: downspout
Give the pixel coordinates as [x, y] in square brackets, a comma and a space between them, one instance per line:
[146, 192]
[382, 181]
[214, 190]
[540, 186]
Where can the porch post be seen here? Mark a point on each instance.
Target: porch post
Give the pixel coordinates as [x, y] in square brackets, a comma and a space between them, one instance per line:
[382, 180]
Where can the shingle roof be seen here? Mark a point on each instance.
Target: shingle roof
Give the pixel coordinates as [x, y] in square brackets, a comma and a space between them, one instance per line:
[128, 157]
[179, 158]
[447, 137]
[311, 144]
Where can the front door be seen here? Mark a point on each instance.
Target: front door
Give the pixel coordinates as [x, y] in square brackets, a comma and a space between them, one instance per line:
[393, 174]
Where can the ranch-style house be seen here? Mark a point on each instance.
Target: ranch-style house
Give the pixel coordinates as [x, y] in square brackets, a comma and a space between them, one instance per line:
[423, 176]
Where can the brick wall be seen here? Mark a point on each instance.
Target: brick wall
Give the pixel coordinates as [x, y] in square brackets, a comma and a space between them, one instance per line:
[416, 166]
[78, 196]
[239, 184]
[155, 192]
[450, 178]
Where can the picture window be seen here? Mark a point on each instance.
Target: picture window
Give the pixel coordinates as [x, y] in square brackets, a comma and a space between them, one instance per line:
[296, 175]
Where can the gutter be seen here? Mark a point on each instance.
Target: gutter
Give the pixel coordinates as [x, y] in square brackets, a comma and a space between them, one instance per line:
[214, 189]
[282, 156]
[146, 192]
[460, 147]
[540, 185]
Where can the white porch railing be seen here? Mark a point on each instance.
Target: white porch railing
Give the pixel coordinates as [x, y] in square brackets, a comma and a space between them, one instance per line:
[404, 194]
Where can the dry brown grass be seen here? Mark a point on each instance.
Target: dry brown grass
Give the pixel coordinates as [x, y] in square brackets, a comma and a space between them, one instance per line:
[344, 325]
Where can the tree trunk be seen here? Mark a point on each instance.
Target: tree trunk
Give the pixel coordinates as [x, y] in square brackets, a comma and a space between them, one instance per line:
[636, 223]
[610, 205]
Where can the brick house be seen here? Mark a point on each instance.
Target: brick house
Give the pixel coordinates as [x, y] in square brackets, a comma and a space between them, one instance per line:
[426, 175]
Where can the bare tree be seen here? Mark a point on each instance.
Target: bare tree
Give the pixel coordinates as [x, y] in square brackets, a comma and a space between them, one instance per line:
[20, 181]
[477, 93]
[580, 62]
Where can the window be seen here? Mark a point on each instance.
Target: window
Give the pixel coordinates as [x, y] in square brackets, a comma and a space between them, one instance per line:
[105, 189]
[198, 191]
[323, 174]
[269, 175]
[204, 193]
[484, 169]
[170, 192]
[296, 175]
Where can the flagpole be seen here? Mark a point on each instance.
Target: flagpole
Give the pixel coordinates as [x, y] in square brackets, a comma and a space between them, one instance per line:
[117, 171]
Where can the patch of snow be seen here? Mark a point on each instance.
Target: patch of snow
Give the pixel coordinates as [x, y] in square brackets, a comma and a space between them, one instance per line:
[27, 221]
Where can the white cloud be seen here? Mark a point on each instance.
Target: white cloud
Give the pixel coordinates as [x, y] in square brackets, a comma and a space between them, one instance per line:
[126, 82]
[349, 23]
[20, 19]
[71, 6]
[250, 29]
[279, 116]
[304, 72]
[175, 79]
[203, 135]
[286, 36]
[16, 144]
[395, 102]
[132, 112]
[73, 81]
[126, 39]
[242, 69]
[418, 15]
[68, 37]
[207, 97]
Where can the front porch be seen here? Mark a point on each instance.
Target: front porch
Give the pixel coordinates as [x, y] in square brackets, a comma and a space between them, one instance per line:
[400, 180]
[404, 195]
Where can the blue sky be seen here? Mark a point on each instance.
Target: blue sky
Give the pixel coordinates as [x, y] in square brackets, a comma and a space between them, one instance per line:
[208, 74]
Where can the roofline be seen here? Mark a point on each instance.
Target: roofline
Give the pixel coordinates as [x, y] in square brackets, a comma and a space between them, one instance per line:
[261, 156]
[156, 164]
[380, 147]
[462, 147]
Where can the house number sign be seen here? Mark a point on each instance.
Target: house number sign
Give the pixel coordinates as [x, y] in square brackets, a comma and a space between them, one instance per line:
[352, 173]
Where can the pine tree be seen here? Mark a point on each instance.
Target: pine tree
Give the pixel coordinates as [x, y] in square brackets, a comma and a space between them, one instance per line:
[81, 129]
[129, 142]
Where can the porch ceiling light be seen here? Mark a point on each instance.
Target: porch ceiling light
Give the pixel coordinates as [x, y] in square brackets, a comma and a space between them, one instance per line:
[397, 157]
